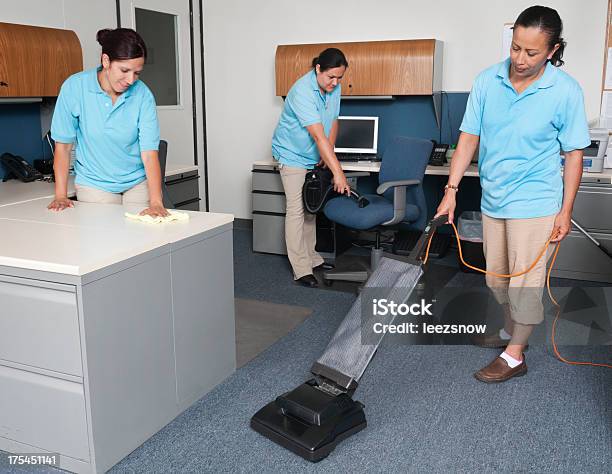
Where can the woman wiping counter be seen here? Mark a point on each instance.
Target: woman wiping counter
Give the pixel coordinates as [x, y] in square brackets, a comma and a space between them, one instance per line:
[112, 117]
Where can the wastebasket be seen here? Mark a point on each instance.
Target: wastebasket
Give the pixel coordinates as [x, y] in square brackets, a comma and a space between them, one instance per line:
[470, 235]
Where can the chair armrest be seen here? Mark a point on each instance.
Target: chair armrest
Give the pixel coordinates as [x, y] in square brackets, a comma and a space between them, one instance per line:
[392, 184]
[399, 197]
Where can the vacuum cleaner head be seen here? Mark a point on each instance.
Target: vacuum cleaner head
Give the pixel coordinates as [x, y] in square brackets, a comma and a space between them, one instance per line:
[313, 418]
[310, 421]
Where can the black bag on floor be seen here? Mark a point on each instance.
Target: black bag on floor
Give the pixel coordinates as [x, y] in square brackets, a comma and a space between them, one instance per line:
[319, 188]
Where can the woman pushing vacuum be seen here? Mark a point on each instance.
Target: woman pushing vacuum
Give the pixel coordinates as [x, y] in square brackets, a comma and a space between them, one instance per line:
[520, 114]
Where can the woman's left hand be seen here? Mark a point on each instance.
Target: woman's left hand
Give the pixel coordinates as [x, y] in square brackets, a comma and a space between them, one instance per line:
[563, 224]
[155, 210]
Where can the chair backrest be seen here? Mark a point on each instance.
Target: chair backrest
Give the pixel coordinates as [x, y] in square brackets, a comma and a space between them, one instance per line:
[163, 152]
[407, 158]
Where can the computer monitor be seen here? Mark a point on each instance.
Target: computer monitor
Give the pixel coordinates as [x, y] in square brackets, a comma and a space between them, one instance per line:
[357, 135]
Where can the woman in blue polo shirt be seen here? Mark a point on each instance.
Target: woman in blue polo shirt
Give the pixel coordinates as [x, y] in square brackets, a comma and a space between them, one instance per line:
[305, 135]
[521, 113]
[111, 116]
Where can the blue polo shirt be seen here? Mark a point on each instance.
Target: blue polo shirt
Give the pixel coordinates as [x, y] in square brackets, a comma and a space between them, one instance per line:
[521, 136]
[305, 105]
[109, 138]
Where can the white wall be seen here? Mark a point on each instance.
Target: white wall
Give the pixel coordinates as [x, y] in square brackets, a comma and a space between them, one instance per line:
[85, 17]
[240, 38]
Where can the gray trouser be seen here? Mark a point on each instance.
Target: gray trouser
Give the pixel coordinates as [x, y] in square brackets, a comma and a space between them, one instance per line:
[300, 226]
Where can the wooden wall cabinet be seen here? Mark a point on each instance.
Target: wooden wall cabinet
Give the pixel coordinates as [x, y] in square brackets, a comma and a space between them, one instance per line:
[35, 61]
[376, 68]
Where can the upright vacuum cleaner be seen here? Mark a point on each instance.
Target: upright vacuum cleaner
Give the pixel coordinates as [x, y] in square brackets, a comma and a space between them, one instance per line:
[314, 417]
[591, 238]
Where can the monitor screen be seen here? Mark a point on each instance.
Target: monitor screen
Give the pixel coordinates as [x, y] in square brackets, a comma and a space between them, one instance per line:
[357, 135]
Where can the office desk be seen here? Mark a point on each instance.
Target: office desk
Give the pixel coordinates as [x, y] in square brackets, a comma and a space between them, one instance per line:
[577, 259]
[14, 191]
[268, 200]
[370, 167]
[374, 167]
[472, 172]
[110, 327]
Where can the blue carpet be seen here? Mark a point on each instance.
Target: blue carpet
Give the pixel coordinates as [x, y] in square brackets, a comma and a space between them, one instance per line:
[425, 410]
[426, 413]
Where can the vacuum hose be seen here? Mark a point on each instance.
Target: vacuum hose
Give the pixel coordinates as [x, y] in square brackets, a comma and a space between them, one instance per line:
[552, 263]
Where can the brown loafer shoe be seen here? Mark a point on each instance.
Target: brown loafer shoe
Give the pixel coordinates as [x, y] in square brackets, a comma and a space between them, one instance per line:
[491, 341]
[499, 371]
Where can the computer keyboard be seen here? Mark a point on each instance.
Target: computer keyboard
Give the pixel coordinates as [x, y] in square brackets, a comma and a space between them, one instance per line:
[357, 157]
[404, 242]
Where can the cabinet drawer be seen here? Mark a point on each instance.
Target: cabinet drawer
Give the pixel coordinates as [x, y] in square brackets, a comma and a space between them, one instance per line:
[593, 207]
[269, 234]
[43, 412]
[269, 202]
[580, 258]
[267, 181]
[184, 190]
[39, 325]
[193, 205]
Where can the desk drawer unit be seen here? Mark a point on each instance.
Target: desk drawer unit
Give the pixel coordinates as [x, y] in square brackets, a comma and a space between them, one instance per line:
[593, 208]
[269, 205]
[43, 412]
[580, 259]
[193, 205]
[265, 201]
[39, 325]
[267, 180]
[184, 190]
[269, 233]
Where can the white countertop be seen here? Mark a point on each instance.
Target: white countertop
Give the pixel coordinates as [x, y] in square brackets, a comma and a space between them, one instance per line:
[87, 237]
[605, 177]
[14, 191]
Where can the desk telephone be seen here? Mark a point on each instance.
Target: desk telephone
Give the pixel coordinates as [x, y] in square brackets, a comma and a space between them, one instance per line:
[17, 167]
[438, 154]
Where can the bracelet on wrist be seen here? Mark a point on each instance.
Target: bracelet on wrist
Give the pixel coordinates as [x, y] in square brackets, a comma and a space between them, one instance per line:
[451, 186]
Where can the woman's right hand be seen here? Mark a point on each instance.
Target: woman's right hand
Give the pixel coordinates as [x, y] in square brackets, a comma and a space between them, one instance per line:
[59, 204]
[341, 185]
[447, 205]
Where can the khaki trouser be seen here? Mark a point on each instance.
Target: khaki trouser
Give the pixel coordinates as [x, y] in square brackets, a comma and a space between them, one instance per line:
[138, 194]
[300, 226]
[510, 246]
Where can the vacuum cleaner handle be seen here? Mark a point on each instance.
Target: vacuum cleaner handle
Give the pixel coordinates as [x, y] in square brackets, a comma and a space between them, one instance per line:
[591, 238]
[419, 248]
[361, 200]
[437, 222]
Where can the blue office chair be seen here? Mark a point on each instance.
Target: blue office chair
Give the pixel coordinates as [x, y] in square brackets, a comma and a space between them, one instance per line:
[399, 199]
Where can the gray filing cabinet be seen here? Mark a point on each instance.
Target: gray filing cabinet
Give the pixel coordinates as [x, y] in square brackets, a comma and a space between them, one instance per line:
[269, 205]
[183, 190]
[89, 371]
[578, 257]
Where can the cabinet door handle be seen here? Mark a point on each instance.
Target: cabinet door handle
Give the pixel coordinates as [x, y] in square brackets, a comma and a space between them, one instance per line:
[3, 84]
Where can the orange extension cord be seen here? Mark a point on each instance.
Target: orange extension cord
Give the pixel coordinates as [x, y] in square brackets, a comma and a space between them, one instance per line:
[552, 263]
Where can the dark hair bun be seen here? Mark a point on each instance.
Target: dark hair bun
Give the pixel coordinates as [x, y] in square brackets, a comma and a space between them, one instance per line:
[121, 43]
[102, 35]
[330, 58]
